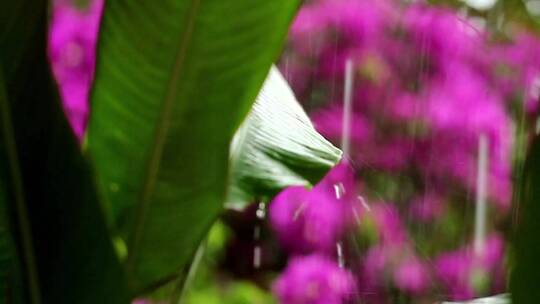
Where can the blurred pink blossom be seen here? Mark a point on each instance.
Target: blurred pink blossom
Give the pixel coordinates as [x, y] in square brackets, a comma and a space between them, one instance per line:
[313, 220]
[428, 84]
[314, 279]
[459, 269]
[72, 42]
[411, 276]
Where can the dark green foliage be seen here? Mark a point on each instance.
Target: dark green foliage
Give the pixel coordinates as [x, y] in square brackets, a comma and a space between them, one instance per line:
[526, 272]
[173, 83]
[62, 241]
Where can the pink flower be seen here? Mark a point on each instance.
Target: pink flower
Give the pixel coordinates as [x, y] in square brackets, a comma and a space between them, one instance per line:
[72, 42]
[462, 100]
[314, 279]
[427, 87]
[373, 270]
[384, 263]
[519, 62]
[428, 207]
[411, 276]
[306, 221]
[466, 274]
[389, 224]
[329, 123]
[444, 36]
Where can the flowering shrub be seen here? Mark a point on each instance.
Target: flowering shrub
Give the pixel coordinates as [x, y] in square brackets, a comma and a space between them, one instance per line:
[308, 221]
[429, 83]
[314, 279]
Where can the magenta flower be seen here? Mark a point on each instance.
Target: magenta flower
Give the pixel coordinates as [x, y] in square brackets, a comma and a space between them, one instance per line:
[444, 35]
[466, 274]
[359, 21]
[372, 273]
[411, 276]
[440, 55]
[72, 42]
[428, 207]
[388, 221]
[329, 123]
[396, 263]
[285, 211]
[428, 84]
[307, 221]
[392, 258]
[521, 62]
[314, 279]
[464, 101]
[454, 270]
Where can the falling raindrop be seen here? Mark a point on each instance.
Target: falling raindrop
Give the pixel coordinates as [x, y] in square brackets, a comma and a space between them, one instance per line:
[364, 203]
[299, 211]
[261, 211]
[261, 216]
[257, 233]
[340, 256]
[347, 109]
[345, 141]
[339, 190]
[481, 193]
[257, 257]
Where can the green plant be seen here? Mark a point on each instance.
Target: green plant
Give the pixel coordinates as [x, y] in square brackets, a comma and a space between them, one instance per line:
[174, 81]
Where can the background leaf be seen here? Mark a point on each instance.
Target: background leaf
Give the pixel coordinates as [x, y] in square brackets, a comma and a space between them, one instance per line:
[498, 299]
[60, 232]
[526, 270]
[276, 147]
[173, 82]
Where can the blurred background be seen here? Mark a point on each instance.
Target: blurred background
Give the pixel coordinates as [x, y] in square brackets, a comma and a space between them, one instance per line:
[433, 103]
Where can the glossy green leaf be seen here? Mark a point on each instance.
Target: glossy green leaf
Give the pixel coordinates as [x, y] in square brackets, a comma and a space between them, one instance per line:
[58, 227]
[276, 146]
[174, 80]
[526, 263]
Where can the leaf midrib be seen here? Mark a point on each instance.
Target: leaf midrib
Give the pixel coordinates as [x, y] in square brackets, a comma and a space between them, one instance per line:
[160, 135]
[19, 197]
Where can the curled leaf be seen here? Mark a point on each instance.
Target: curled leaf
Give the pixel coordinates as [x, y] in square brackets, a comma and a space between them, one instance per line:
[276, 147]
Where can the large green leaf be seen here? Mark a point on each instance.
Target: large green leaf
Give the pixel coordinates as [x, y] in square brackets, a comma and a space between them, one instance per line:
[526, 271]
[61, 238]
[173, 82]
[276, 146]
[10, 271]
